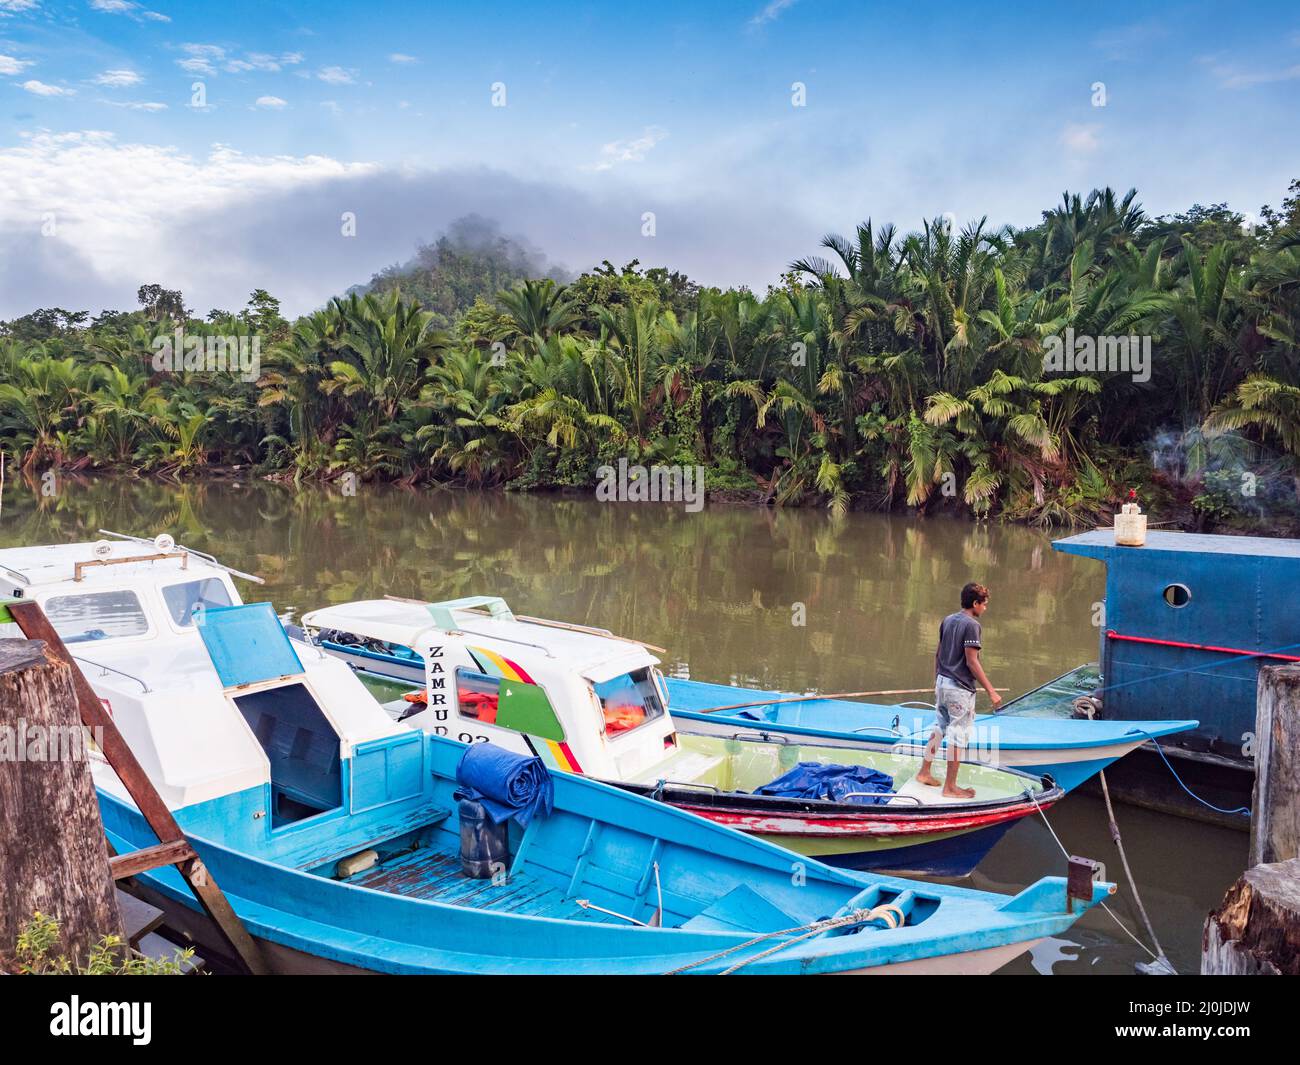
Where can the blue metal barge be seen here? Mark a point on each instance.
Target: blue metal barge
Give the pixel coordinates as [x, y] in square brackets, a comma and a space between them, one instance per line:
[1188, 621]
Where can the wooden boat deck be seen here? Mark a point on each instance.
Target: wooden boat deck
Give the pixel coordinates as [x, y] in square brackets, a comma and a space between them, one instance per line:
[427, 873]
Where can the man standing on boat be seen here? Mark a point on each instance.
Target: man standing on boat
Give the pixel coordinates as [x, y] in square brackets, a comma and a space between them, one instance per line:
[957, 670]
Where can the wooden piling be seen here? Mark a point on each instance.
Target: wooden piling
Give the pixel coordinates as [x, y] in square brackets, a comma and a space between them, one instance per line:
[1275, 817]
[1256, 930]
[52, 852]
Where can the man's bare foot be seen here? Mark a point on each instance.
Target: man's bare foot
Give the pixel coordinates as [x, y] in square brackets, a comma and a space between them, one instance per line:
[927, 780]
[959, 793]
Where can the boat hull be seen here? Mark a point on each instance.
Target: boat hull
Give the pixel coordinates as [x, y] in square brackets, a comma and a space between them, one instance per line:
[283, 960]
[947, 841]
[1069, 751]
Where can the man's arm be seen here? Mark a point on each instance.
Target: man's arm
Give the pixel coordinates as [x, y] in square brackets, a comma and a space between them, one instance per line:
[977, 671]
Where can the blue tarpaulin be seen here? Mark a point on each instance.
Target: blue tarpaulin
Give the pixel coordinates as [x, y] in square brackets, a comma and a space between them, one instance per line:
[507, 784]
[813, 780]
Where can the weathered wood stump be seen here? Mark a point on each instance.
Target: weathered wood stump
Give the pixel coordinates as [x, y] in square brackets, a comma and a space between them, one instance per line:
[53, 856]
[1275, 817]
[1256, 930]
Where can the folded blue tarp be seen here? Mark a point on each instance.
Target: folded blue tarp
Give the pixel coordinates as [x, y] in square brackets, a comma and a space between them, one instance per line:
[507, 784]
[813, 780]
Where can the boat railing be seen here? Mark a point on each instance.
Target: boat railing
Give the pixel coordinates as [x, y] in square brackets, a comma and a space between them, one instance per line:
[506, 639]
[762, 737]
[17, 573]
[879, 728]
[686, 784]
[105, 670]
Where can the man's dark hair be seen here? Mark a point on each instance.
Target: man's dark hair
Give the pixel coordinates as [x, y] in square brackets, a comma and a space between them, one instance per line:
[973, 593]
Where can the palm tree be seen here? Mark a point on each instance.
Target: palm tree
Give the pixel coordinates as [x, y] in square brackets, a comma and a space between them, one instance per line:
[537, 310]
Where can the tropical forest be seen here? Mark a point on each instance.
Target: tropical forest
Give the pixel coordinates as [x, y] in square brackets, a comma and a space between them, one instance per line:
[886, 369]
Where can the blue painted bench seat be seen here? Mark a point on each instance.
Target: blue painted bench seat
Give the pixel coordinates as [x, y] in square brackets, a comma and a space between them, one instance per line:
[376, 832]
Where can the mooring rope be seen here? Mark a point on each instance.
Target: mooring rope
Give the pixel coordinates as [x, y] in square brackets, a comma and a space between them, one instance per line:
[1240, 810]
[883, 912]
[1123, 927]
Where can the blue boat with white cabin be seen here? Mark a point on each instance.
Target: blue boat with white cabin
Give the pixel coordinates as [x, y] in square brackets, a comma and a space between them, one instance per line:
[339, 835]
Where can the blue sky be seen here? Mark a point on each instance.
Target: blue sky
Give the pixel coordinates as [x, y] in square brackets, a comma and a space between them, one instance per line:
[113, 177]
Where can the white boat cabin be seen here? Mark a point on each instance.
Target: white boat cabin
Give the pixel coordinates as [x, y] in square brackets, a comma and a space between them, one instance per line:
[582, 699]
[130, 613]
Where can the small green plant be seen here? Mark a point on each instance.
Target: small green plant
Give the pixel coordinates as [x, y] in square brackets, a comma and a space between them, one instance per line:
[37, 942]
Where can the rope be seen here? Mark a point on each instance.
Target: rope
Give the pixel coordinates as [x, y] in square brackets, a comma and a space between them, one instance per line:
[1157, 957]
[1159, 954]
[806, 931]
[1241, 810]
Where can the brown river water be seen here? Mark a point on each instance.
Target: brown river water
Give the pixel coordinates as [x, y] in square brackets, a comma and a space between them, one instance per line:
[723, 590]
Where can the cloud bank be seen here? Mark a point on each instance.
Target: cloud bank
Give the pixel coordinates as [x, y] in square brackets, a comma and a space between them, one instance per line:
[90, 219]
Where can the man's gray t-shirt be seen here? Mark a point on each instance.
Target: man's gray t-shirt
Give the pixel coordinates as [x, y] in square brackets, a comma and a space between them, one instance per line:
[956, 633]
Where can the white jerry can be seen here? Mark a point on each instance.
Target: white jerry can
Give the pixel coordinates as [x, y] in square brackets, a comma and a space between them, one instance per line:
[1130, 526]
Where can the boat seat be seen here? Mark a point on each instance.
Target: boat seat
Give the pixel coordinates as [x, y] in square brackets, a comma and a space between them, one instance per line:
[329, 851]
[927, 796]
[742, 909]
[683, 768]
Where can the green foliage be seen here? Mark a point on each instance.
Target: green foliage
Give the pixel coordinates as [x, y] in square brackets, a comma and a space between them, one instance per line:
[36, 954]
[894, 370]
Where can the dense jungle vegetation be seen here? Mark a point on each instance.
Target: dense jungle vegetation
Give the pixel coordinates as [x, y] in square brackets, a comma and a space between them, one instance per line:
[887, 370]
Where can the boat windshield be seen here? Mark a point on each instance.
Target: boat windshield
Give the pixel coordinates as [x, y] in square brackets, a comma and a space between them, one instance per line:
[96, 615]
[184, 599]
[628, 701]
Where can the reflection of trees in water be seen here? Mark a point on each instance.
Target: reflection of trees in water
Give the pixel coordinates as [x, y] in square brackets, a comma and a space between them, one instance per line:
[717, 588]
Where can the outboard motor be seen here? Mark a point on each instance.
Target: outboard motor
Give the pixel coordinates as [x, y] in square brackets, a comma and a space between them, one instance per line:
[484, 844]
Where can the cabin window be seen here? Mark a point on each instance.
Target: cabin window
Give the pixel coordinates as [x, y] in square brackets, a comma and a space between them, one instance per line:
[96, 616]
[628, 701]
[303, 750]
[183, 599]
[1177, 595]
[476, 695]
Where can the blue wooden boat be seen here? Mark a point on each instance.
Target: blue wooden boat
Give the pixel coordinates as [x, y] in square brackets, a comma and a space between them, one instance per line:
[335, 831]
[1033, 734]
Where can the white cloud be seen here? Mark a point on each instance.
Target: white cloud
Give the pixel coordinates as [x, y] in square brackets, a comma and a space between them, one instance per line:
[336, 76]
[118, 79]
[273, 103]
[122, 208]
[10, 65]
[208, 59]
[136, 105]
[39, 88]
[402, 57]
[127, 7]
[13, 7]
[1232, 78]
[629, 151]
[1080, 138]
[771, 12]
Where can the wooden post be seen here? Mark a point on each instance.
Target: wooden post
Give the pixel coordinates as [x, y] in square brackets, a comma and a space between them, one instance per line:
[52, 853]
[1275, 818]
[1256, 930]
[175, 848]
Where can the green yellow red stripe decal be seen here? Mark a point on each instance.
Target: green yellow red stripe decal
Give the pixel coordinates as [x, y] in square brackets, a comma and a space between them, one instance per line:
[492, 664]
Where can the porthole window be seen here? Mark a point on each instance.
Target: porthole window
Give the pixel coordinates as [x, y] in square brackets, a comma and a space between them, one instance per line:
[1177, 595]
